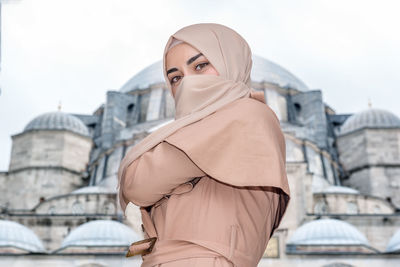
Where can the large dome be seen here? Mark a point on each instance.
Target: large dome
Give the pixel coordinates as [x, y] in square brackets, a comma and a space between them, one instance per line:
[16, 235]
[328, 232]
[57, 121]
[370, 118]
[263, 70]
[104, 233]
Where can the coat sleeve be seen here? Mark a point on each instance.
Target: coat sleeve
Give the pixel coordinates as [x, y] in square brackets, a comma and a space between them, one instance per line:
[156, 173]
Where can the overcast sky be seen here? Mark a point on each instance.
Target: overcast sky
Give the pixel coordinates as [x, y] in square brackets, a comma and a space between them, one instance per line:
[74, 51]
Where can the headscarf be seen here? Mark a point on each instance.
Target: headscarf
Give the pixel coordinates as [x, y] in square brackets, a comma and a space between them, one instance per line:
[174, 43]
[198, 96]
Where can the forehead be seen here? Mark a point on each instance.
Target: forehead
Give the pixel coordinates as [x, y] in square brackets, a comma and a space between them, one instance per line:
[180, 52]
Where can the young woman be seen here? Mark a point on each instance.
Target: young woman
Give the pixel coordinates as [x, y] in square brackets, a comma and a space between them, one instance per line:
[211, 185]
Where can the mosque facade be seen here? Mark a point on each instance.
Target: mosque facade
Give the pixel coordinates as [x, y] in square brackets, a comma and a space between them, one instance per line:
[58, 202]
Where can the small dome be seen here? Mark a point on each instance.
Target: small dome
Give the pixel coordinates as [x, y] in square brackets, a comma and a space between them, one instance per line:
[16, 235]
[263, 70]
[338, 189]
[104, 233]
[370, 118]
[394, 243]
[93, 190]
[57, 121]
[328, 232]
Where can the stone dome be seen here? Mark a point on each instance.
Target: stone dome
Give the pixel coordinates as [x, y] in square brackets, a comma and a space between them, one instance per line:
[263, 70]
[338, 189]
[93, 190]
[16, 235]
[370, 118]
[328, 232]
[57, 121]
[105, 233]
[394, 243]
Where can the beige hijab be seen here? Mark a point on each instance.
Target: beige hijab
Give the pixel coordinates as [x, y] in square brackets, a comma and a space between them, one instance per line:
[199, 96]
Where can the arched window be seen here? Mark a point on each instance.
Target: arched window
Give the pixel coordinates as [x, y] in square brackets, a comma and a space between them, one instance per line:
[130, 115]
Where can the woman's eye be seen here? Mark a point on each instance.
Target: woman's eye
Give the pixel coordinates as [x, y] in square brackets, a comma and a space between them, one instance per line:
[198, 67]
[172, 81]
[201, 64]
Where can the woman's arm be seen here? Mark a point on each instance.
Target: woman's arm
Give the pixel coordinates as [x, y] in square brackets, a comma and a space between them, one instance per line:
[156, 173]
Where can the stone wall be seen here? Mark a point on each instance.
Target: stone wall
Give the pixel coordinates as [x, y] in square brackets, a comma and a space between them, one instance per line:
[55, 148]
[25, 189]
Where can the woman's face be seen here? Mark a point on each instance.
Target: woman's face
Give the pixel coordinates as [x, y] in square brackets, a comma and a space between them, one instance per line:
[183, 60]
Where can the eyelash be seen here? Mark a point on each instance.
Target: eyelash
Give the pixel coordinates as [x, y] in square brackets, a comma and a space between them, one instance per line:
[205, 64]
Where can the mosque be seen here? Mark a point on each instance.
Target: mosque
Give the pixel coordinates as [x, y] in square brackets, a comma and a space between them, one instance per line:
[58, 203]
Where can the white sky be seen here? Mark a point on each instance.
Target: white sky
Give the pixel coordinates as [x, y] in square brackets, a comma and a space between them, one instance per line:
[76, 50]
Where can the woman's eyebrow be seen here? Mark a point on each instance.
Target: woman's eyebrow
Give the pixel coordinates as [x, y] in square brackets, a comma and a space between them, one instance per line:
[187, 63]
[193, 59]
[171, 70]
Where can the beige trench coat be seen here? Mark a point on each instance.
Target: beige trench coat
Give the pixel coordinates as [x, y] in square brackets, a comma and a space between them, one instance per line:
[213, 223]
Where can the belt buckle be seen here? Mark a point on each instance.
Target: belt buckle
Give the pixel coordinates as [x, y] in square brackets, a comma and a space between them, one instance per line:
[144, 251]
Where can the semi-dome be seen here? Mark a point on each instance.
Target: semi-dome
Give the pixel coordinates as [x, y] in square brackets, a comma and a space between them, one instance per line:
[370, 118]
[16, 235]
[105, 233]
[394, 243]
[94, 190]
[57, 121]
[263, 70]
[337, 189]
[328, 232]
